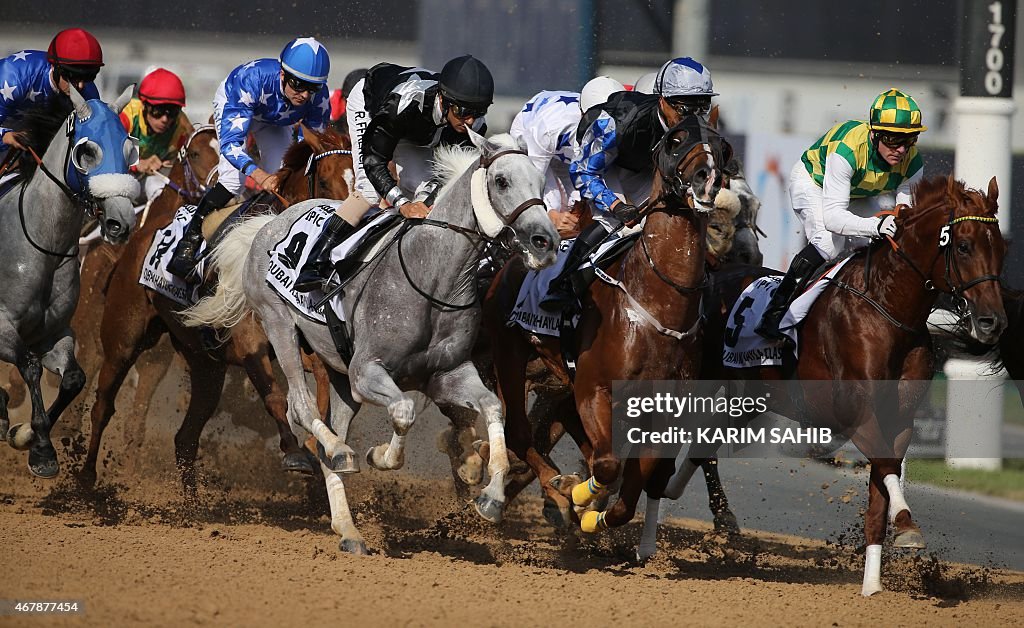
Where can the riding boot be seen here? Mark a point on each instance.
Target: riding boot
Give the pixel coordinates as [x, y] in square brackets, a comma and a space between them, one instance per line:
[318, 264]
[184, 260]
[561, 293]
[801, 271]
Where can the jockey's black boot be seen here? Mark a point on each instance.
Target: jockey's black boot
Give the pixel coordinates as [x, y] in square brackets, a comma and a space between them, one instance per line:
[184, 260]
[318, 264]
[561, 293]
[800, 272]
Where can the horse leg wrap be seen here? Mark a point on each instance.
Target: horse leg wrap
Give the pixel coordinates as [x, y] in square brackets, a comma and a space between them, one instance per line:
[585, 492]
[872, 570]
[592, 522]
[897, 503]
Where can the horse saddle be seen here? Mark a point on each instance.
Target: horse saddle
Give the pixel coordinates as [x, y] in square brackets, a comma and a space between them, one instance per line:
[218, 222]
[356, 258]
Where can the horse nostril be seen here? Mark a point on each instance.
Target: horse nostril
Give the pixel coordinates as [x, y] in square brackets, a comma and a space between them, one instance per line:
[113, 228]
[540, 243]
[986, 323]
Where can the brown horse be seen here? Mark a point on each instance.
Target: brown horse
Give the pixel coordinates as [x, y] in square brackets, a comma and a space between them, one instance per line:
[662, 275]
[136, 318]
[949, 242]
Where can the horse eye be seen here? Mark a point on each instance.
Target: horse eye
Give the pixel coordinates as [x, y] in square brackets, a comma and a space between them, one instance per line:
[963, 247]
[501, 182]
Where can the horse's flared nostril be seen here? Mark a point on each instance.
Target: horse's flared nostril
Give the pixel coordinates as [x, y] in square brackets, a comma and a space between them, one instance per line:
[988, 324]
[114, 228]
[540, 243]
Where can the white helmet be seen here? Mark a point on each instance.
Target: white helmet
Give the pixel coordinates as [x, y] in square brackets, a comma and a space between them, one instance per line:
[645, 84]
[597, 90]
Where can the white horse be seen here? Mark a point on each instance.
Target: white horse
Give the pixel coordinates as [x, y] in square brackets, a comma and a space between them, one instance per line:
[411, 312]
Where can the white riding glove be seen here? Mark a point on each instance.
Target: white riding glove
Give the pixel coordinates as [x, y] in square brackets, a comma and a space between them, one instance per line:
[887, 226]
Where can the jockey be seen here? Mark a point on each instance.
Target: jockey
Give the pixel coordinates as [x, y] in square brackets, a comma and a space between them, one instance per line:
[28, 79]
[853, 160]
[546, 126]
[616, 139]
[156, 119]
[267, 97]
[400, 114]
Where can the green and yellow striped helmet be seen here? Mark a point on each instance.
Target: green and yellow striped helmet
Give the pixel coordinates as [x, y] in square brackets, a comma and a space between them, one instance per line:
[896, 112]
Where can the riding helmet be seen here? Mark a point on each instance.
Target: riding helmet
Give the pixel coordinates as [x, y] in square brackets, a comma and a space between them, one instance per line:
[466, 80]
[75, 47]
[306, 59]
[162, 87]
[895, 112]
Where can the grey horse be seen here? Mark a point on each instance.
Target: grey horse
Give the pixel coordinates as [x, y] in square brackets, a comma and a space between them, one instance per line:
[85, 165]
[412, 314]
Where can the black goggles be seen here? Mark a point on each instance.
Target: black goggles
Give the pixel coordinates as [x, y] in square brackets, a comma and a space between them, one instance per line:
[690, 107]
[301, 86]
[78, 75]
[164, 111]
[896, 140]
[462, 112]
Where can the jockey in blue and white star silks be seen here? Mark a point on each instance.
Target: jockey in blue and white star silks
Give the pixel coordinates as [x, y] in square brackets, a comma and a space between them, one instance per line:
[30, 78]
[613, 166]
[546, 127]
[265, 97]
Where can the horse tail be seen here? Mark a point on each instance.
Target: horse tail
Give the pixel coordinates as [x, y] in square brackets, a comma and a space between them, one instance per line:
[226, 307]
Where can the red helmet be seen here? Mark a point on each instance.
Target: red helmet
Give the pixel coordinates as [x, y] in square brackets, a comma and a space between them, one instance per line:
[75, 46]
[161, 87]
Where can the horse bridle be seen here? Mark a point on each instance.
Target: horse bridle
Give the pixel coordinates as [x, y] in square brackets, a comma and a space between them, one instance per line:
[192, 188]
[312, 166]
[485, 162]
[946, 248]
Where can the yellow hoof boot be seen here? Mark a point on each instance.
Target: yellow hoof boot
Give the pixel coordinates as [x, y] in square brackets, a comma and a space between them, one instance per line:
[585, 492]
[593, 522]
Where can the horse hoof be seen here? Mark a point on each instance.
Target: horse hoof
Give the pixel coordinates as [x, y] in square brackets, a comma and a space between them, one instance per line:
[343, 463]
[297, 462]
[870, 589]
[20, 436]
[557, 517]
[442, 438]
[351, 546]
[482, 449]
[471, 474]
[41, 466]
[912, 539]
[726, 522]
[490, 509]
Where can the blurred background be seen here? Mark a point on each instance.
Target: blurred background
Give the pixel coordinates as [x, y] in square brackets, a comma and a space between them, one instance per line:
[786, 73]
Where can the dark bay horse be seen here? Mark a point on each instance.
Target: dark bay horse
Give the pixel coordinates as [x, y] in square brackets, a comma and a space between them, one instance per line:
[661, 276]
[135, 318]
[948, 242]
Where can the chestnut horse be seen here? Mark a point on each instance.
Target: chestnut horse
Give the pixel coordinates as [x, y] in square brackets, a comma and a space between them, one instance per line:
[136, 318]
[948, 242]
[661, 277]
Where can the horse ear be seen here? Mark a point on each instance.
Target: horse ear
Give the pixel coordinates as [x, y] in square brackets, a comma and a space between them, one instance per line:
[123, 99]
[713, 118]
[311, 138]
[993, 193]
[82, 110]
[478, 140]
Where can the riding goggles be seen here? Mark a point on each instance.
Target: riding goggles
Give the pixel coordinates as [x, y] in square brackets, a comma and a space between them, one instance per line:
[690, 107]
[164, 111]
[86, 74]
[467, 111]
[896, 140]
[300, 86]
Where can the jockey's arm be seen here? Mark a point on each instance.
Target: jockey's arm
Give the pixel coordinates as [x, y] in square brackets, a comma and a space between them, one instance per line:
[8, 107]
[836, 201]
[378, 149]
[234, 126]
[903, 192]
[597, 151]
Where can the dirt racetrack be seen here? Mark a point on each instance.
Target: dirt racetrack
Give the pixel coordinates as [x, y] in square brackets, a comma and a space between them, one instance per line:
[258, 550]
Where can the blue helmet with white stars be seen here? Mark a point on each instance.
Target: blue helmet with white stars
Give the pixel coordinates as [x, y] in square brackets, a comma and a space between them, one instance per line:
[305, 58]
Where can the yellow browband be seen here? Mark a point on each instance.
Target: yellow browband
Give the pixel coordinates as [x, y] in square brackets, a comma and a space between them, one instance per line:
[978, 218]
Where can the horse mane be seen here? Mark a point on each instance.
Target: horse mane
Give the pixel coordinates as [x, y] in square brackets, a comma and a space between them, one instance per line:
[451, 161]
[936, 192]
[40, 125]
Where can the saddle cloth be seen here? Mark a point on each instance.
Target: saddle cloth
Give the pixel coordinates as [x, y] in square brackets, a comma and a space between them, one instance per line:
[154, 269]
[288, 256]
[528, 312]
[743, 346]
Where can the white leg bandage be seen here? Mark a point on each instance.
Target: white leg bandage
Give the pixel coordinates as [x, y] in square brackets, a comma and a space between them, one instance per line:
[897, 503]
[872, 570]
[649, 539]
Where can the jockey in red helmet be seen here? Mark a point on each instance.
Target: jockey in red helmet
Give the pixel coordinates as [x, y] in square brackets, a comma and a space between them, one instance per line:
[29, 78]
[156, 119]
